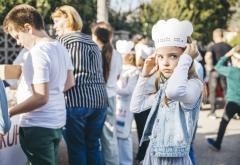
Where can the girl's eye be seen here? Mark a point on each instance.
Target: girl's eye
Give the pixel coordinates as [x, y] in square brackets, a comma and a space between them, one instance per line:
[160, 57]
[174, 56]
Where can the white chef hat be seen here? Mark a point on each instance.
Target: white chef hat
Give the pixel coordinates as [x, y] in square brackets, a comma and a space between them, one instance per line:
[171, 32]
[124, 46]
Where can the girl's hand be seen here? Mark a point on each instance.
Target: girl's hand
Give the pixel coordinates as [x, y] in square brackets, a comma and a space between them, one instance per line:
[150, 66]
[191, 50]
[232, 51]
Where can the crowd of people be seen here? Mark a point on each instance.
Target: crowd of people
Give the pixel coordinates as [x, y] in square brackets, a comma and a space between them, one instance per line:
[89, 90]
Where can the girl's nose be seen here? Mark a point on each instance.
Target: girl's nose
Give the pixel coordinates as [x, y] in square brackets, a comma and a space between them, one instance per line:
[165, 62]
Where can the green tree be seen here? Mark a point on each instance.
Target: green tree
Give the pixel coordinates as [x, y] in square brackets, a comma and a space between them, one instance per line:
[204, 14]
[86, 8]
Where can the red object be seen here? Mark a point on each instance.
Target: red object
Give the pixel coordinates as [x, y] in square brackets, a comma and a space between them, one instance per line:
[219, 91]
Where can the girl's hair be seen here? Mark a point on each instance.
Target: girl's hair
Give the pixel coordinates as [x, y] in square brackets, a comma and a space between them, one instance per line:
[104, 36]
[74, 20]
[131, 58]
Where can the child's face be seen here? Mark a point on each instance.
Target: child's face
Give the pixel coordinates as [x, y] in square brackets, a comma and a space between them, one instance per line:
[167, 59]
[23, 38]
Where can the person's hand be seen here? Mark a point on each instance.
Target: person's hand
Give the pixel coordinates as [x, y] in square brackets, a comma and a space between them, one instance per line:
[150, 66]
[191, 50]
[10, 111]
[232, 51]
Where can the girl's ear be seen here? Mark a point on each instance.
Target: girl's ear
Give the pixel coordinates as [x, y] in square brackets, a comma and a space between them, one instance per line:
[28, 28]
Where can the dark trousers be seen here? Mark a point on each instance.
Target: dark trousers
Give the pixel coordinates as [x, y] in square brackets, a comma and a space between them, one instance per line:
[40, 144]
[141, 119]
[214, 80]
[230, 110]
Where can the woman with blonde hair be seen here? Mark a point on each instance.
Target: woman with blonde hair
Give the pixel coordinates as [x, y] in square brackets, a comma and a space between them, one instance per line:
[87, 101]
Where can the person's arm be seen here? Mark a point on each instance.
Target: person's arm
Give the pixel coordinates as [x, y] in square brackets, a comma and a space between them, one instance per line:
[39, 80]
[143, 94]
[126, 91]
[179, 87]
[209, 62]
[224, 70]
[39, 98]
[70, 82]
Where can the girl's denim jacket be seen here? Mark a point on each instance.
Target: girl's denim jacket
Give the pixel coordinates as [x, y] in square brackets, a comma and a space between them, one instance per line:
[170, 126]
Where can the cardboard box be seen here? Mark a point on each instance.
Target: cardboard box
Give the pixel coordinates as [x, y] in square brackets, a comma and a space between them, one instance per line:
[10, 71]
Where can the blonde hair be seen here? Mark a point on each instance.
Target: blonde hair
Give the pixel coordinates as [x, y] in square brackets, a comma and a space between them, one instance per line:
[74, 20]
[129, 58]
[18, 16]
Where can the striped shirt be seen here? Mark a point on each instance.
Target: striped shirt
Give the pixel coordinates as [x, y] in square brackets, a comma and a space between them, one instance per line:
[90, 89]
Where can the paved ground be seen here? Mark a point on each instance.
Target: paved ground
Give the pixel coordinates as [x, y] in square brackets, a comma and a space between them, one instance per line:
[229, 154]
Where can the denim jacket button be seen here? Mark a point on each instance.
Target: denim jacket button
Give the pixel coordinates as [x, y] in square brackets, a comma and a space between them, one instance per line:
[157, 120]
[153, 153]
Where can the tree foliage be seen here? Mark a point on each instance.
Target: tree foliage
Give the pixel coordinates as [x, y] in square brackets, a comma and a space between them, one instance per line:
[86, 8]
[204, 14]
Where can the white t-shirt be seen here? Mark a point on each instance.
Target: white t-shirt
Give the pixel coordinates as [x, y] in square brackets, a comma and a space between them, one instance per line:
[115, 71]
[45, 62]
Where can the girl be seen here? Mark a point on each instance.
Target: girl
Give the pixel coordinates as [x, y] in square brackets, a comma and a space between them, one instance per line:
[126, 83]
[233, 93]
[112, 65]
[174, 113]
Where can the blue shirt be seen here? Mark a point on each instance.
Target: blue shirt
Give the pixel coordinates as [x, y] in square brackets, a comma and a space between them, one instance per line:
[5, 123]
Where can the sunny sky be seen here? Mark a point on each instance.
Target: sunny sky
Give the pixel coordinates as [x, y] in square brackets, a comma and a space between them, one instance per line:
[126, 5]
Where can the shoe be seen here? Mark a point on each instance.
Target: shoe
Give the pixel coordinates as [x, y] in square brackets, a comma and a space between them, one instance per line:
[236, 117]
[212, 144]
[212, 116]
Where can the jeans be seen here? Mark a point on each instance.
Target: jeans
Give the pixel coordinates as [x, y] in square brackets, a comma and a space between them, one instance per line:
[109, 136]
[192, 152]
[82, 134]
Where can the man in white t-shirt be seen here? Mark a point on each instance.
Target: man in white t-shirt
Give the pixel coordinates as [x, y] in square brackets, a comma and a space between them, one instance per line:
[46, 74]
